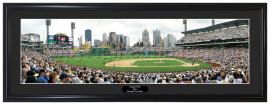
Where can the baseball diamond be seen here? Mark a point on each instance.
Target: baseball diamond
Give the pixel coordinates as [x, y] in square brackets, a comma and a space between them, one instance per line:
[135, 64]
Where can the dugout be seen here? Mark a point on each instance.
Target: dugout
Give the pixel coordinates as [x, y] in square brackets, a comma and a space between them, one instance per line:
[100, 51]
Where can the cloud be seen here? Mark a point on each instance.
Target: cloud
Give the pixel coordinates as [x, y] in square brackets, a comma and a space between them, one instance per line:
[130, 27]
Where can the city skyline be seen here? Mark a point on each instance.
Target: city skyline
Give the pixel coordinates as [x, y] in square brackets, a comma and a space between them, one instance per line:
[129, 27]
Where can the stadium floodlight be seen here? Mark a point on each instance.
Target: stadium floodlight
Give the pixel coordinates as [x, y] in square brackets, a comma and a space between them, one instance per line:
[213, 22]
[72, 33]
[185, 23]
[48, 23]
[72, 25]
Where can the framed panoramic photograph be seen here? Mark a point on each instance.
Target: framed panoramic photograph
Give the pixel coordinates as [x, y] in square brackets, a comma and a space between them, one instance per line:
[119, 52]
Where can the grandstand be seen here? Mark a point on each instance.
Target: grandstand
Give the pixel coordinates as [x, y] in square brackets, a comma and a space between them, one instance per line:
[211, 43]
[230, 31]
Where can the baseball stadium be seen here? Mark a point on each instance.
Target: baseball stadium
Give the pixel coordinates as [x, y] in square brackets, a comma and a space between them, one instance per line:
[213, 54]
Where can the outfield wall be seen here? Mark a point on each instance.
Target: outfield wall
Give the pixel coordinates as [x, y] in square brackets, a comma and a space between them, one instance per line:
[100, 51]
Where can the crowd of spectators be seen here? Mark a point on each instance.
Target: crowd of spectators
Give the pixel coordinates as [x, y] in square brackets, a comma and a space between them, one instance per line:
[143, 49]
[37, 68]
[233, 56]
[235, 32]
[60, 52]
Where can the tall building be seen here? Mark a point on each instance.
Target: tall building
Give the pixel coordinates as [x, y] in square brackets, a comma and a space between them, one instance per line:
[169, 40]
[117, 38]
[121, 45]
[115, 45]
[126, 40]
[88, 35]
[104, 36]
[121, 38]
[96, 42]
[156, 38]
[80, 41]
[165, 42]
[145, 38]
[112, 36]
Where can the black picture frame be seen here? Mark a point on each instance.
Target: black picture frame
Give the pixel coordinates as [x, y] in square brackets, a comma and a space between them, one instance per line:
[256, 91]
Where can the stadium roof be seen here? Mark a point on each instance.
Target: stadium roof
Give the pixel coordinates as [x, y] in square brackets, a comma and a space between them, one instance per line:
[218, 26]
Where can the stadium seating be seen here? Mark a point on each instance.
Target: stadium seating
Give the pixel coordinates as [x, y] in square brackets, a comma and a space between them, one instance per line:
[237, 32]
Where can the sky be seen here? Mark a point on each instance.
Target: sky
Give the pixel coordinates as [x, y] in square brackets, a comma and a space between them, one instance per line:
[128, 27]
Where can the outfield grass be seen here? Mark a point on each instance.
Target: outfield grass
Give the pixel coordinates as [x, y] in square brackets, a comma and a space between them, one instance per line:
[97, 62]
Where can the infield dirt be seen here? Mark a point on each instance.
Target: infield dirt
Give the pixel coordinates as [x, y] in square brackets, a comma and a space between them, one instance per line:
[129, 62]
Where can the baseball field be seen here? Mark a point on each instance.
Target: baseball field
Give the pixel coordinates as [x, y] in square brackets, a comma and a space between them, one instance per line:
[136, 63]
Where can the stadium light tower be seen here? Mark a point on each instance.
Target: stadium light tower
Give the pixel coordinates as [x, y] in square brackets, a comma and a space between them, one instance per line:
[72, 35]
[48, 23]
[185, 23]
[213, 22]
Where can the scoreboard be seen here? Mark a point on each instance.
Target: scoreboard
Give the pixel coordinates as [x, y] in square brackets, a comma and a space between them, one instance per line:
[61, 39]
